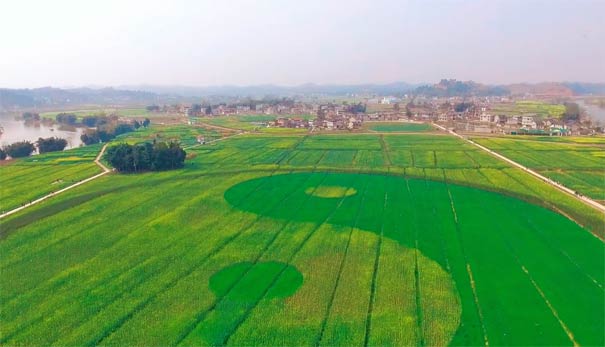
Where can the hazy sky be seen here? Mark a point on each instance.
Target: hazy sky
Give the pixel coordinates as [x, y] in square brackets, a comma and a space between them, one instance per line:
[174, 42]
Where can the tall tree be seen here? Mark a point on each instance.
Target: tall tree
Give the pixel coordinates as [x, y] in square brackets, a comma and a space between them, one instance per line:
[572, 112]
[20, 149]
[66, 118]
[51, 144]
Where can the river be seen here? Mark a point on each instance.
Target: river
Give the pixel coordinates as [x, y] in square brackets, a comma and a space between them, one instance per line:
[16, 130]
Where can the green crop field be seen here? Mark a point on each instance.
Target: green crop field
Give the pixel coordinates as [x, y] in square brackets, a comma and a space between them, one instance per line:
[184, 134]
[307, 240]
[125, 112]
[578, 164]
[22, 181]
[397, 127]
[537, 107]
[252, 123]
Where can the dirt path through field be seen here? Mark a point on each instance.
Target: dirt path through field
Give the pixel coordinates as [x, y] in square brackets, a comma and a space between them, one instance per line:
[105, 169]
[97, 161]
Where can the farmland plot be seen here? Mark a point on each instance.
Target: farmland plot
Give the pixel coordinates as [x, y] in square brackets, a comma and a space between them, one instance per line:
[577, 165]
[235, 249]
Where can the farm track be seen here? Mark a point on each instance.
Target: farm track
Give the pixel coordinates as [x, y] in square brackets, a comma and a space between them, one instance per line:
[212, 126]
[67, 238]
[338, 276]
[139, 298]
[538, 288]
[443, 244]
[550, 306]
[562, 252]
[497, 136]
[417, 289]
[469, 271]
[584, 199]
[105, 169]
[90, 212]
[39, 200]
[372, 300]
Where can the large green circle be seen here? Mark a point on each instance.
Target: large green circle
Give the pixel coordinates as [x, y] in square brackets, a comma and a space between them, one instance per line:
[525, 274]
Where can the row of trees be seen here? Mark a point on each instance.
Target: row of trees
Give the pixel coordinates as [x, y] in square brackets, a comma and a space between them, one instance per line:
[30, 116]
[66, 118]
[146, 157]
[95, 120]
[26, 148]
[107, 131]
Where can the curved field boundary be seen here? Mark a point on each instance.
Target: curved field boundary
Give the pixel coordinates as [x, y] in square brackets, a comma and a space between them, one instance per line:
[245, 315]
[199, 318]
[177, 279]
[290, 259]
[545, 179]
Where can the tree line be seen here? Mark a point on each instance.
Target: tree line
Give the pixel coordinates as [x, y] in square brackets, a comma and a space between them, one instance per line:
[108, 128]
[26, 148]
[95, 120]
[157, 156]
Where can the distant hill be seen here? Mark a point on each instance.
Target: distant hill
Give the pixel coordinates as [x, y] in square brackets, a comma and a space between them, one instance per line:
[259, 91]
[49, 97]
[452, 87]
[551, 89]
[586, 88]
[129, 95]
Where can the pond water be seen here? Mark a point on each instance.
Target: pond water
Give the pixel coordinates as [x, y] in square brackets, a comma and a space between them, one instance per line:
[16, 130]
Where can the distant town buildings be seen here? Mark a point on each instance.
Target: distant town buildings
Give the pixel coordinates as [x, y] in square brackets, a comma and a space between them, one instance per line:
[487, 114]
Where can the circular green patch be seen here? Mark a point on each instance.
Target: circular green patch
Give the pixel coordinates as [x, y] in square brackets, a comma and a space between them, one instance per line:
[330, 191]
[276, 279]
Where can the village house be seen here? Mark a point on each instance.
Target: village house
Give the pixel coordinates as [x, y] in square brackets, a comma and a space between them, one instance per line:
[513, 121]
[528, 122]
[486, 118]
[242, 109]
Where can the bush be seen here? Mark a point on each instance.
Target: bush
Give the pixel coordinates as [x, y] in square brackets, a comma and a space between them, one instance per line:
[30, 116]
[20, 149]
[105, 132]
[146, 157]
[66, 118]
[94, 121]
[51, 144]
[2, 154]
